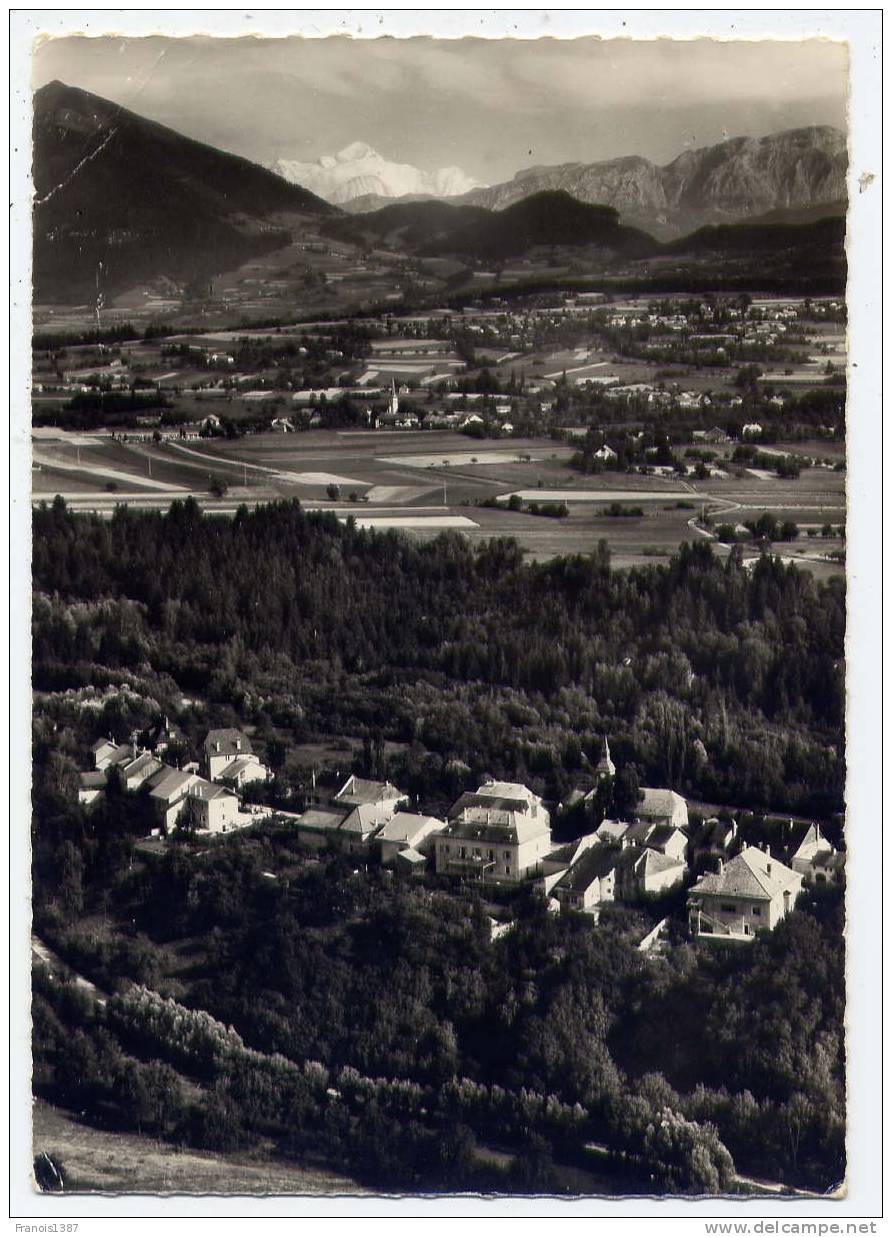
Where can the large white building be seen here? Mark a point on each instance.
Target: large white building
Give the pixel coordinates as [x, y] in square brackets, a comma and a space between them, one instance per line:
[499, 833]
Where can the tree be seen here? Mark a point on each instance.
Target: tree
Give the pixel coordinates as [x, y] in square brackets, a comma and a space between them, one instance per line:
[626, 792]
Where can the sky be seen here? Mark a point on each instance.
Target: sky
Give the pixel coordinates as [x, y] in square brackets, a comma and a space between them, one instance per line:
[488, 106]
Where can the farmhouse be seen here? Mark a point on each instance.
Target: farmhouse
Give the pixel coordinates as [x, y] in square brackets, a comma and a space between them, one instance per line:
[752, 892]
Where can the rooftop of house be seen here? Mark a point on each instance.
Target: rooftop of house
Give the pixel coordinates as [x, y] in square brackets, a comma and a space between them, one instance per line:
[808, 838]
[238, 764]
[751, 874]
[611, 830]
[661, 834]
[227, 742]
[659, 802]
[364, 819]
[358, 790]
[201, 789]
[323, 818]
[651, 862]
[100, 744]
[596, 863]
[93, 779]
[168, 783]
[496, 825]
[407, 825]
[144, 763]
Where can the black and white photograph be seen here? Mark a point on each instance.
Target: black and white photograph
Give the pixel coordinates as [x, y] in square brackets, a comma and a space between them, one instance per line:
[436, 654]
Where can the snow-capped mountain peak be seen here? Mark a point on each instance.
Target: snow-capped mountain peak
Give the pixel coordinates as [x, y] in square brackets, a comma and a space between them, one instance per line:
[358, 169]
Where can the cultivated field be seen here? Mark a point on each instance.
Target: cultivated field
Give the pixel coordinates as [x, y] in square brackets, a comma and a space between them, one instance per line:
[424, 482]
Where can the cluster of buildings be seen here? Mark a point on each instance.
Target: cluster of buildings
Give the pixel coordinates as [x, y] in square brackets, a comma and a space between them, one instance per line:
[500, 834]
[202, 795]
[497, 835]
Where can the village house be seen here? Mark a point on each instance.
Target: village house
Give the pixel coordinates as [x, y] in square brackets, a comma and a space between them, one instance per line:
[244, 769]
[384, 796]
[559, 860]
[164, 735]
[752, 892]
[648, 872]
[499, 833]
[662, 807]
[135, 772]
[814, 858]
[167, 792]
[407, 831]
[605, 453]
[590, 882]
[212, 808]
[91, 786]
[220, 748]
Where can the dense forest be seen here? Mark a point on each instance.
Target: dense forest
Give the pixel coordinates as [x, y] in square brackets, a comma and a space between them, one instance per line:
[726, 683]
[258, 995]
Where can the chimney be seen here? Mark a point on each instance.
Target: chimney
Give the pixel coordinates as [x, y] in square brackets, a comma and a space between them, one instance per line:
[720, 866]
[238, 745]
[217, 745]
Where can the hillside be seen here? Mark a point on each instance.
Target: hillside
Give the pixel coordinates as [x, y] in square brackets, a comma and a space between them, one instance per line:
[546, 219]
[734, 180]
[120, 199]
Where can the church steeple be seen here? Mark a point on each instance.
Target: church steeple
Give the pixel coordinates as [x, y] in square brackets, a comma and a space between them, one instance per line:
[394, 400]
[605, 766]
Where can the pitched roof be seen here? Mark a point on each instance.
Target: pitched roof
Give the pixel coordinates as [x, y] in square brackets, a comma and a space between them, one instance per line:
[231, 742]
[323, 818]
[140, 764]
[596, 863]
[358, 790]
[751, 874]
[411, 856]
[659, 802]
[661, 834]
[496, 825]
[202, 789]
[168, 783]
[364, 819]
[805, 837]
[93, 779]
[639, 833]
[239, 763]
[611, 830]
[101, 743]
[407, 825]
[650, 862]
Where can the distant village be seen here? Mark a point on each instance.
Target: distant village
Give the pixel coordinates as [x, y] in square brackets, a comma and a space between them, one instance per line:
[489, 371]
[499, 834]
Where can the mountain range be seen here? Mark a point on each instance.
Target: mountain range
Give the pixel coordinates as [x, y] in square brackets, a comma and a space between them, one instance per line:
[731, 181]
[119, 199]
[799, 173]
[358, 171]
